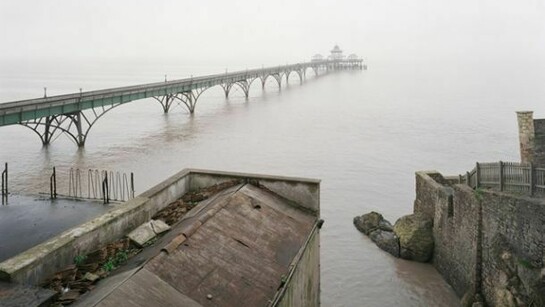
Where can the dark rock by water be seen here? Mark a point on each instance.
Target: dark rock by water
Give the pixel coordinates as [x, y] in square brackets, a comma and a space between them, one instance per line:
[379, 231]
[386, 240]
[370, 222]
[411, 237]
[415, 237]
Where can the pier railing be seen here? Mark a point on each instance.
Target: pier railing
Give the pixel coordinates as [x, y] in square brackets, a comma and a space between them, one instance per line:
[521, 178]
[4, 189]
[94, 184]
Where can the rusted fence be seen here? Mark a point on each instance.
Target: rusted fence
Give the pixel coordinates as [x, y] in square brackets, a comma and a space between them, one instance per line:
[4, 189]
[94, 184]
[513, 177]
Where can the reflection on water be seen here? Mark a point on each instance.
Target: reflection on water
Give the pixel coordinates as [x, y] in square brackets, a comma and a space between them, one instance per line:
[363, 133]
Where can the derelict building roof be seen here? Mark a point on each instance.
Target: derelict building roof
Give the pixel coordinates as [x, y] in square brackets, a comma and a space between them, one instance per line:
[233, 249]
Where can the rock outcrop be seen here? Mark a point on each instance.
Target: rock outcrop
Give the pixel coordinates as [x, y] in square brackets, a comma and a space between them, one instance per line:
[415, 237]
[386, 240]
[379, 231]
[370, 222]
[411, 237]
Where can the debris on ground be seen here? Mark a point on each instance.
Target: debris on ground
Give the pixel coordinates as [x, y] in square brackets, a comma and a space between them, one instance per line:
[76, 279]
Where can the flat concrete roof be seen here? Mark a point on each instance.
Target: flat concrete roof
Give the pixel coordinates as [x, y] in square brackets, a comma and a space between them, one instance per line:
[235, 248]
[26, 221]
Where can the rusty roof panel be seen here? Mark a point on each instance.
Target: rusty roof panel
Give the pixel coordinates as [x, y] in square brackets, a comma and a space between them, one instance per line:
[145, 289]
[235, 257]
[275, 202]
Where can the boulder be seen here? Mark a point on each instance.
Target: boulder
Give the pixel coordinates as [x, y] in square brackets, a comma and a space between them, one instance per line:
[370, 222]
[386, 240]
[415, 237]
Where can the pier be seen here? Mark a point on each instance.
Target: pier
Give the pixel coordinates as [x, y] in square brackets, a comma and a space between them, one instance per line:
[75, 114]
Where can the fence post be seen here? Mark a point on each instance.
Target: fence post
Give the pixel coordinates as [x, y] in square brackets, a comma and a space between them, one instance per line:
[459, 179]
[132, 185]
[477, 175]
[53, 184]
[532, 179]
[501, 176]
[4, 189]
[468, 179]
[105, 192]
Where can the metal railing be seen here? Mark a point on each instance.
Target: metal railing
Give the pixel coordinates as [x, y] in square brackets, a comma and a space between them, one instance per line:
[98, 184]
[523, 178]
[4, 188]
[53, 184]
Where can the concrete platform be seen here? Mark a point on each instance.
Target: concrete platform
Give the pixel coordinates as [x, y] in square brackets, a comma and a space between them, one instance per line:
[17, 295]
[37, 263]
[26, 221]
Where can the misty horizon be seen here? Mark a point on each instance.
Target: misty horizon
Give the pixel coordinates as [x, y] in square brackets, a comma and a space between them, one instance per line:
[254, 33]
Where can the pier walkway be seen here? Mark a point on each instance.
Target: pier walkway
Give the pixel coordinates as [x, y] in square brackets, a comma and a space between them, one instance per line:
[49, 116]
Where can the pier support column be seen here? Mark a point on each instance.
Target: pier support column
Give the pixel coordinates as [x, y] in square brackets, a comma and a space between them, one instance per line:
[245, 86]
[76, 125]
[278, 78]
[47, 134]
[165, 101]
[190, 98]
[80, 139]
[300, 73]
[226, 89]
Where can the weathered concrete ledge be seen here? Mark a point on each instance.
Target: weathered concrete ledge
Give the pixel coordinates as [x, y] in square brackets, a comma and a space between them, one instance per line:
[35, 264]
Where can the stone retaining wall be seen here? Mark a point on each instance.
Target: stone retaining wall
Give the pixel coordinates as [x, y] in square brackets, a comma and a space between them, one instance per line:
[515, 221]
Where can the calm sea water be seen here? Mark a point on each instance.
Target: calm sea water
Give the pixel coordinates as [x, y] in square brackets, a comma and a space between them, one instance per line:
[363, 133]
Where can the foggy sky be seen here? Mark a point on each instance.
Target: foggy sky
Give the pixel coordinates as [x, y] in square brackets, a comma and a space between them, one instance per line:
[272, 31]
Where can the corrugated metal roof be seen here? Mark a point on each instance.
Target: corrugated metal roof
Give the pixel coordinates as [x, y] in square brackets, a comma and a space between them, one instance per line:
[234, 250]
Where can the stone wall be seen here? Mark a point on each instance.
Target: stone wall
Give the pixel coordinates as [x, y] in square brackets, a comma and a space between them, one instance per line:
[454, 229]
[539, 142]
[532, 138]
[526, 136]
[511, 225]
[511, 242]
[431, 192]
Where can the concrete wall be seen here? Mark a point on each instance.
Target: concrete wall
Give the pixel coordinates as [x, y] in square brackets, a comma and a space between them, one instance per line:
[303, 191]
[509, 223]
[303, 286]
[35, 264]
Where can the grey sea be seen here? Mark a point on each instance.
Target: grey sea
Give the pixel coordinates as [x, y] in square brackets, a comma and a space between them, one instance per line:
[363, 133]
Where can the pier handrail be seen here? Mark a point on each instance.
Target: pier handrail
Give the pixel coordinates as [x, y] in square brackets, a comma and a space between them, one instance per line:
[153, 85]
